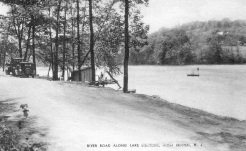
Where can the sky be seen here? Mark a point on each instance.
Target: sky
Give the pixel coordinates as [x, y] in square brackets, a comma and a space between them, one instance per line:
[171, 13]
[3, 9]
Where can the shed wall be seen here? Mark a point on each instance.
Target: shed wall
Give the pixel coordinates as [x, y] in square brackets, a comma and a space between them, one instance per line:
[86, 75]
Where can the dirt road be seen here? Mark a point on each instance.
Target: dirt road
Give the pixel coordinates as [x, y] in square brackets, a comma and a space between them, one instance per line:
[74, 116]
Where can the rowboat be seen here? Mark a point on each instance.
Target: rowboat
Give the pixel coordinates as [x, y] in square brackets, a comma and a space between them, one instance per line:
[193, 73]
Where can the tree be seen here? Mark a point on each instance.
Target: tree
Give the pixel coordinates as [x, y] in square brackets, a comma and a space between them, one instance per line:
[215, 51]
[78, 40]
[125, 85]
[109, 36]
[28, 39]
[33, 44]
[72, 37]
[64, 39]
[55, 71]
[174, 48]
[5, 43]
[18, 20]
[100, 34]
[92, 42]
[127, 40]
[51, 43]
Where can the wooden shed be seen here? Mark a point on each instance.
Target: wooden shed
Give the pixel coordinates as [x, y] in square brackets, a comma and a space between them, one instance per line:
[86, 75]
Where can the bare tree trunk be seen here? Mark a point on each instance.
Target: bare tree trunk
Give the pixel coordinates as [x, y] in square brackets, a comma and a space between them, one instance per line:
[19, 33]
[125, 87]
[51, 47]
[49, 70]
[82, 42]
[4, 56]
[73, 40]
[20, 48]
[111, 76]
[78, 40]
[1, 52]
[6, 49]
[0, 60]
[33, 47]
[92, 41]
[55, 71]
[64, 42]
[67, 74]
[28, 40]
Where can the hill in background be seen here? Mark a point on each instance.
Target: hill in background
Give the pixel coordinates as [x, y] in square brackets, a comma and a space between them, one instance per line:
[211, 42]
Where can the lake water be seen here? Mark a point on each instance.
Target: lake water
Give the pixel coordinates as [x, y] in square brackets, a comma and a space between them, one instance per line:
[220, 89]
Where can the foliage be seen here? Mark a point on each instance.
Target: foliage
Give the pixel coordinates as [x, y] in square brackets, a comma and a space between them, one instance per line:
[214, 54]
[8, 138]
[212, 42]
[173, 47]
[38, 31]
[110, 34]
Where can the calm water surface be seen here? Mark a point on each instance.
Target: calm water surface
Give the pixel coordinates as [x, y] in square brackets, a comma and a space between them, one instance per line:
[220, 89]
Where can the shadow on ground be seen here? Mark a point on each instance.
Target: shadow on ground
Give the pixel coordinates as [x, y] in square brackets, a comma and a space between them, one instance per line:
[22, 130]
[236, 142]
[8, 106]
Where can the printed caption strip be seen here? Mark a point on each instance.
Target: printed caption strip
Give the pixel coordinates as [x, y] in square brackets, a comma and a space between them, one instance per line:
[143, 145]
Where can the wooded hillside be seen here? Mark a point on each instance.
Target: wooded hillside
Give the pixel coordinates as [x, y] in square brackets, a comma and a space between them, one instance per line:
[211, 42]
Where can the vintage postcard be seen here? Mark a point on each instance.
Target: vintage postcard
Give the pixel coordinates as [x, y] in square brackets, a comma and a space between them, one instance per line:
[122, 75]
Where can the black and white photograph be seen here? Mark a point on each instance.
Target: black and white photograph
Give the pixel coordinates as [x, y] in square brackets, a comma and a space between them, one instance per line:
[122, 75]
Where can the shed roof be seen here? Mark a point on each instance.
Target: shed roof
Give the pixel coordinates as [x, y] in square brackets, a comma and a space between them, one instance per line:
[85, 68]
